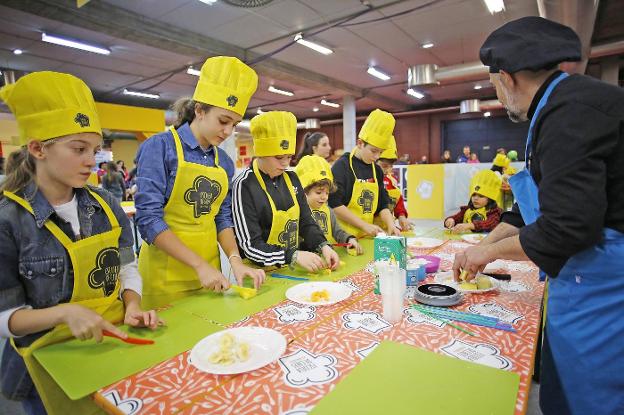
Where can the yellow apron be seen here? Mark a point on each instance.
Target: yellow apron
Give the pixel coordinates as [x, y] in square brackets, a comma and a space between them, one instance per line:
[475, 214]
[323, 218]
[364, 201]
[95, 261]
[394, 194]
[190, 212]
[285, 225]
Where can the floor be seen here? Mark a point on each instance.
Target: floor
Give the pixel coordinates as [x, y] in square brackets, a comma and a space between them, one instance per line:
[14, 408]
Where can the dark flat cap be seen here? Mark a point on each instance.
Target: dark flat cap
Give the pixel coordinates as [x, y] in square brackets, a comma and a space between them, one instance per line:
[530, 43]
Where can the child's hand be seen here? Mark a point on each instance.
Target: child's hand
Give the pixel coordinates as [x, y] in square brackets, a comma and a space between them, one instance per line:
[135, 317]
[211, 278]
[331, 257]
[310, 261]
[394, 231]
[449, 223]
[353, 243]
[405, 224]
[463, 227]
[372, 230]
[241, 271]
[85, 323]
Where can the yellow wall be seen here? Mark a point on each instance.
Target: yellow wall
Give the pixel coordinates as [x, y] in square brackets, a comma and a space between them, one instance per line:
[125, 150]
[8, 149]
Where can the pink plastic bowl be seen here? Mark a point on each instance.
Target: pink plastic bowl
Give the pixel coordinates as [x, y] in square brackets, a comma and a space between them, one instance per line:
[433, 263]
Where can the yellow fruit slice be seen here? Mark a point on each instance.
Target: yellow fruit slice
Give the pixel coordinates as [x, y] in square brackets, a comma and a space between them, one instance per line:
[468, 286]
[484, 283]
[352, 251]
[244, 292]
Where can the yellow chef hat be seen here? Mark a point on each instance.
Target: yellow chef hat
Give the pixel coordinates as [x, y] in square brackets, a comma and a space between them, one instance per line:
[47, 105]
[274, 133]
[486, 183]
[226, 82]
[312, 169]
[501, 160]
[391, 152]
[377, 129]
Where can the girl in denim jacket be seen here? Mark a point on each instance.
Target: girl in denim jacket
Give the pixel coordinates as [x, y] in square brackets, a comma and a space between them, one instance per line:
[65, 249]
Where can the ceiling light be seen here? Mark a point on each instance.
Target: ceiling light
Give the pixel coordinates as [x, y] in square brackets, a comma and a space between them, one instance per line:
[280, 91]
[18, 51]
[377, 73]
[312, 45]
[259, 111]
[316, 109]
[140, 94]
[427, 45]
[209, 2]
[495, 6]
[74, 44]
[415, 93]
[478, 86]
[192, 71]
[487, 114]
[330, 104]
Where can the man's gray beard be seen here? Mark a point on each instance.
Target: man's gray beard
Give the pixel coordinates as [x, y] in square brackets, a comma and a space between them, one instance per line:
[516, 117]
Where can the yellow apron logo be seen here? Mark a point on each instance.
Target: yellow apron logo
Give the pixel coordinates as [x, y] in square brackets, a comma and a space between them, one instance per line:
[288, 237]
[82, 120]
[232, 100]
[472, 215]
[366, 201]
[106, 271]
[201, 196]
[321, 219]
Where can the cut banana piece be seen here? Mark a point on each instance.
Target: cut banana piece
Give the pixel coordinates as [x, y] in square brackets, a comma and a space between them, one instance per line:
[230, 351]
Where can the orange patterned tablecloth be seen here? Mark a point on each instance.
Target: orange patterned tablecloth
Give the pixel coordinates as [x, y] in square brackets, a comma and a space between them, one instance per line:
[325, 343]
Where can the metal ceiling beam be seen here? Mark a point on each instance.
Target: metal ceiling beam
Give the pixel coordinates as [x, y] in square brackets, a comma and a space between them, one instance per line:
[580, 15]
[127, 25]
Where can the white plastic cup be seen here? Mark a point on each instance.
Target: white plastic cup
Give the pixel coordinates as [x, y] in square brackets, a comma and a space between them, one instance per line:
[392, 285]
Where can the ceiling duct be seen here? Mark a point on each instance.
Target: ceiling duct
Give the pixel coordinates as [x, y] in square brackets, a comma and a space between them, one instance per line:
[312, 123]
[469, 105]
[419, 75]
[247, 3]
[8, 77]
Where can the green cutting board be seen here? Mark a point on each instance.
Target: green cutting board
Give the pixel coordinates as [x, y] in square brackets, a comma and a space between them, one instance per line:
[231, 308]
[81, 368]
[400, 379]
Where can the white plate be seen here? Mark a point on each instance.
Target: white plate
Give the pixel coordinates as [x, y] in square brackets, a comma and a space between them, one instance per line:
[424, 243]
[265, 346]
[446, 278]
[497, 266]
[301, 293]
[473, 238]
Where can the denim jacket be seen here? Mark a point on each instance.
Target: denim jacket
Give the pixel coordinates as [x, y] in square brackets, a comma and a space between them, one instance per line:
[36, 268]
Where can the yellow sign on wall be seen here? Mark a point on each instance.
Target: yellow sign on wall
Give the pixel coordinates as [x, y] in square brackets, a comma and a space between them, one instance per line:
[425, 191]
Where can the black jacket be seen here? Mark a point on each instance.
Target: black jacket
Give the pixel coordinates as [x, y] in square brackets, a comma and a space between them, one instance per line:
[577, 161]
[253, 217]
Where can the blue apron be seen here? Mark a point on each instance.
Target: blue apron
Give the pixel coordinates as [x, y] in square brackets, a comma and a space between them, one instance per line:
[583, 359]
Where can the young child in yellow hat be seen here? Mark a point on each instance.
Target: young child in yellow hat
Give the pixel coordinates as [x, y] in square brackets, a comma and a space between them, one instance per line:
[67, 249]
[274, 225]
[397, 206]
[318, 182]
[183, 203]
[361, 194]
[482, 213]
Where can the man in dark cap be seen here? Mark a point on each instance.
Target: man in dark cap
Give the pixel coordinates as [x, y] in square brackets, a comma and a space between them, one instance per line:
[569, 215]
